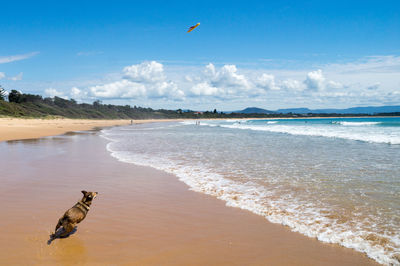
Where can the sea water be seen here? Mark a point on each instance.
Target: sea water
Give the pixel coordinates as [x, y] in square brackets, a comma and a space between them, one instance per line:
[334, 179]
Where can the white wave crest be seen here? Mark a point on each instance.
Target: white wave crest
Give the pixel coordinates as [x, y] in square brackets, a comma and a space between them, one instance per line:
[345, 123]
[326, 131]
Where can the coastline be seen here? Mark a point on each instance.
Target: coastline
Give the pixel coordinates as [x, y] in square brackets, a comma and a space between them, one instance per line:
[142, 215]
[29, 128]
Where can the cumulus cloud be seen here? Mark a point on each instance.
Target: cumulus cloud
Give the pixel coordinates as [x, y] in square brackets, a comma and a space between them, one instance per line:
[119, 89]
[204, 88]
[2, 75]
[12, 58]
[315, 80]
[293, 85]
[226, 82]
[267, 81]
[78, 94]
[149, 81]
[146, 72]
[223, 82]
[145, 80]
[226, 77]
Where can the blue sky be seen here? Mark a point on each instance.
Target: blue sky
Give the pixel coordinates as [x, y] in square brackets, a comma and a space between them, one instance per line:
[270, 54]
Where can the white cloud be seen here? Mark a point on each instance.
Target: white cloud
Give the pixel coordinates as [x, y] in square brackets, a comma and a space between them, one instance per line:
[145, 80]
[2, 75]
[267, 81]
[147, 72]
[227, 83]
[334, 85]
[369, 64]
[78, 94]
[328, 86]
[12, 58]
[315, 80]
[119, 89]
[222, 83]
[204, 88]
[293, 85]
[367, 72]
[226, 77]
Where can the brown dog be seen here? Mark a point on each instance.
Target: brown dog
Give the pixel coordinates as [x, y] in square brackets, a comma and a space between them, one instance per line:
[75, 215]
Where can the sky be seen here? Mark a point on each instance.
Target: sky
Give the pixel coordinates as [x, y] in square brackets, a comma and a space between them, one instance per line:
[268, 54]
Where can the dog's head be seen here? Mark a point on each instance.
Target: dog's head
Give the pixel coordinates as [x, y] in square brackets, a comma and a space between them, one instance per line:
[88, 197]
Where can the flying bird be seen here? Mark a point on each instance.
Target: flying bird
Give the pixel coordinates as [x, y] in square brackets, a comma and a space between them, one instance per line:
[193, 27]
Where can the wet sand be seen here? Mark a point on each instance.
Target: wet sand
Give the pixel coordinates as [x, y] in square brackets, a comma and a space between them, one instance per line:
[141, 217]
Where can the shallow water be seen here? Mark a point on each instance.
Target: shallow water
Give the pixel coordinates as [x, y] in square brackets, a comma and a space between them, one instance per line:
[333, 179]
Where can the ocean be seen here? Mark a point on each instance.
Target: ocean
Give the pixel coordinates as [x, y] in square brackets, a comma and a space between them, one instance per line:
[334, 179]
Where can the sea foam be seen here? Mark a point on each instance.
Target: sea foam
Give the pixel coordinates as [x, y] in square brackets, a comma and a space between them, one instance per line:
[377, 136]
[276, 205]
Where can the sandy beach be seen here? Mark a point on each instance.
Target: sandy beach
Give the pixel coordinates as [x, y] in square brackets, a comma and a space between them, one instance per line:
[142, 216]
[18, 128]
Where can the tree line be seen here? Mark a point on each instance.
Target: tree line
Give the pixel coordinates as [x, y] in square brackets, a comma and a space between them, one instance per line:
[31, 105]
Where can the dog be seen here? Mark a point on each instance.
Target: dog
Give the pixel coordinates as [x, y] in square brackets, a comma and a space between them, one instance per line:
[75, 215]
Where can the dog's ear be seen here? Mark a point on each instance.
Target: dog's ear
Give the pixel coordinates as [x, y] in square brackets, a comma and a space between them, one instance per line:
[84, 192]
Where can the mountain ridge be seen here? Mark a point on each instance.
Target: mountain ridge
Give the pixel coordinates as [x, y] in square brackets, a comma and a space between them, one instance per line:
[351, 110]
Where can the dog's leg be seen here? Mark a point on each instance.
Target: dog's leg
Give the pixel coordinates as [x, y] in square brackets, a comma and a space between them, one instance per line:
[68, 228]
[57, 226]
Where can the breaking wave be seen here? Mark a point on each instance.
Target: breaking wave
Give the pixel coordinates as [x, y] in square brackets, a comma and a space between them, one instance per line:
[275, 202]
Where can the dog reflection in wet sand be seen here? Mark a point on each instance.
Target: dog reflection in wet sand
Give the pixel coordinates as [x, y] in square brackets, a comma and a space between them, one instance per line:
[73, 216]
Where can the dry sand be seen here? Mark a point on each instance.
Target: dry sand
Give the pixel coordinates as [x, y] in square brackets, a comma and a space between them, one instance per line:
[18, 128]
[141, 217]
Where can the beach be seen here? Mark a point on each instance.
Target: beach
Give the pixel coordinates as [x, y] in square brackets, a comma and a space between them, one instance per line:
[19, 128]
[142, 216]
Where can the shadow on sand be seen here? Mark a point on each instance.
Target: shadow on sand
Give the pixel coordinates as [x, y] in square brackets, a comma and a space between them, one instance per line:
[59, 234]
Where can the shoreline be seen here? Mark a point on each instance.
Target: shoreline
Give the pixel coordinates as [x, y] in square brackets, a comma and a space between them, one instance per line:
[31, 128]
[142, 215]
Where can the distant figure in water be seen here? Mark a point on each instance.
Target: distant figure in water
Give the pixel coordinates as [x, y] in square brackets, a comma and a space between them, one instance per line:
[131, 122]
